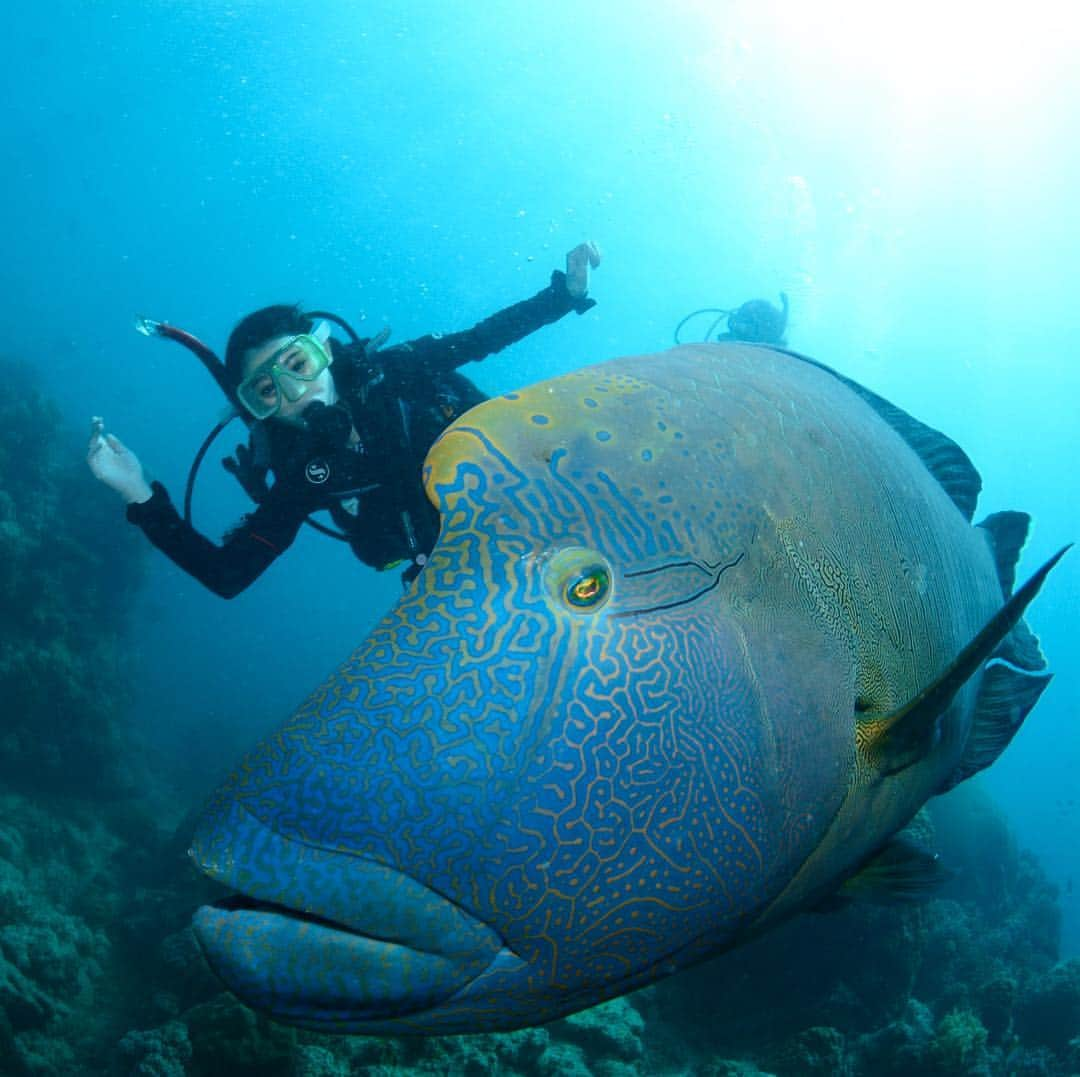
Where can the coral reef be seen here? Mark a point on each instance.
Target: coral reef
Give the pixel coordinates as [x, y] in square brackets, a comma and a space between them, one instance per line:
[1048, 1011]
[70, 824]
[68, 570]
[57, 897]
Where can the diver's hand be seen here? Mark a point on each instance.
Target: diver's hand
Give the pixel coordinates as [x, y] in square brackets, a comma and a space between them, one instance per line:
[578, 262]
[250, 475]
[116, 465]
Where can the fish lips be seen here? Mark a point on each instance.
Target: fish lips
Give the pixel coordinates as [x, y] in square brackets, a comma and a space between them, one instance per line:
[323, 937]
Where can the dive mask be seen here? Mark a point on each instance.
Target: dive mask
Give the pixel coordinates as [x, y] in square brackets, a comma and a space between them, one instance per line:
[285, 374]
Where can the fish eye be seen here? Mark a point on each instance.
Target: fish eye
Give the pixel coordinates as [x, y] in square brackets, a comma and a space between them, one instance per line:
[580, 579]
[589, 589]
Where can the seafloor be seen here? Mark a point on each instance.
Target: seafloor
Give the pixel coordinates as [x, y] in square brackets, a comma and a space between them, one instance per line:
[99, 973]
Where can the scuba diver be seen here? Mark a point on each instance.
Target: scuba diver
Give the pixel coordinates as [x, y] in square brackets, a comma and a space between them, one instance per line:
[337, 426]
[757, 321]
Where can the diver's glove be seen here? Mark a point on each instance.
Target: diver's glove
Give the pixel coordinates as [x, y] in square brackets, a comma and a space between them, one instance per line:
[576, 279]
[248, 472]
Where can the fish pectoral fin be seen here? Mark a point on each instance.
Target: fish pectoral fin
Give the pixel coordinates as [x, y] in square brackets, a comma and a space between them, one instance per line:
[895, 741]
[903, 871]
[1006, 696]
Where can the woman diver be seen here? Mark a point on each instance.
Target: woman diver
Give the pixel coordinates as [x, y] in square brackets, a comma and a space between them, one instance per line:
[337, 426]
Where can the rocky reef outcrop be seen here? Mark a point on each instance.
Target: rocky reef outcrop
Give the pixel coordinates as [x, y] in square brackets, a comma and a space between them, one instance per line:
[69, 568]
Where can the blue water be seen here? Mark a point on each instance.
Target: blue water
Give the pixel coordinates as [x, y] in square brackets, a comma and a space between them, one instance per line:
[911, 185]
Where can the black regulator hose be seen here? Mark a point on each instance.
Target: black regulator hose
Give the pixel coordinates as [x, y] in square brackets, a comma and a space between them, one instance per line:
[207, 356]
[193, 471]
[720, 313]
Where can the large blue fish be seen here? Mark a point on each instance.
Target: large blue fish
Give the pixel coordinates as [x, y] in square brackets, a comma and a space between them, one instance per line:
[701, 633]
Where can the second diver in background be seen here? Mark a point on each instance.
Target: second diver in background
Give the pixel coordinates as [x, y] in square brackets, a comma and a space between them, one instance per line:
[757, 321]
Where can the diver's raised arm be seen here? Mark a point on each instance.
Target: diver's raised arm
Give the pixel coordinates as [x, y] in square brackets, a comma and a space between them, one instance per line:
[566, 292]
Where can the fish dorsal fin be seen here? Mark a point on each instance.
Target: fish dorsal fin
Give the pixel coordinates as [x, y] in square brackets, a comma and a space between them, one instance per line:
[941, 456]
[1006, 696]
[896, 741]
[1007, 532]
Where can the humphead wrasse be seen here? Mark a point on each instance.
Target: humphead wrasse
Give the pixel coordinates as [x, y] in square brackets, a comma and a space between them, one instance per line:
[702, 632]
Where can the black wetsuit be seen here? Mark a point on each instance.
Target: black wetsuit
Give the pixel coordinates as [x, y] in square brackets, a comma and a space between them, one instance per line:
[398, 400]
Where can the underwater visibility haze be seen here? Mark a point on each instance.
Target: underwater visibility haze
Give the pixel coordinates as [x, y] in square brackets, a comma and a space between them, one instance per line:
[563, 678]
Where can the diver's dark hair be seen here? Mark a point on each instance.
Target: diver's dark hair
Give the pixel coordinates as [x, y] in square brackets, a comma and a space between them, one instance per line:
[279, 320]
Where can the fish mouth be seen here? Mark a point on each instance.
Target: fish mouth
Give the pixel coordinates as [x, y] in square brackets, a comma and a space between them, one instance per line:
[326, 938]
